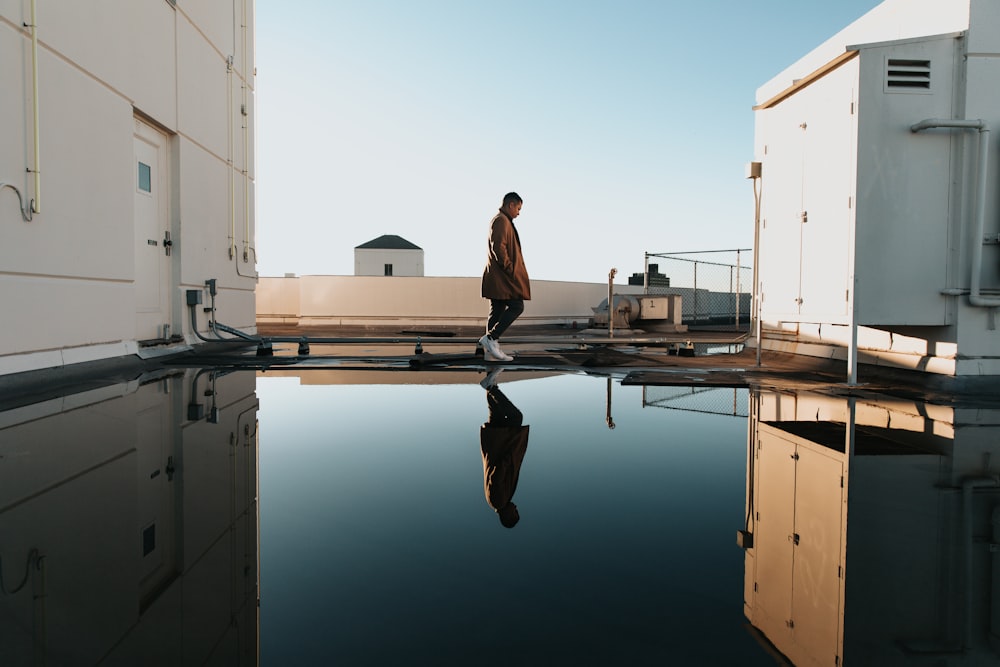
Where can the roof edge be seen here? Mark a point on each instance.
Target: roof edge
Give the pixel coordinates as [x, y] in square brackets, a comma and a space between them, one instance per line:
[808, 79]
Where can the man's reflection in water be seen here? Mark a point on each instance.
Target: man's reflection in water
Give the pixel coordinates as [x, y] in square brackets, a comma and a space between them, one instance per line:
[503, 440]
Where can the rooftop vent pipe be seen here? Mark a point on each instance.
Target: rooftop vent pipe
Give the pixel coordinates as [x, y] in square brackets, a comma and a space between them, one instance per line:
[975, 298]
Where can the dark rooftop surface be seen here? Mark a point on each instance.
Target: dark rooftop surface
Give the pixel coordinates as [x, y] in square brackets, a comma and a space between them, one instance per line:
[389, 242]
[698, 358]
[640, 358]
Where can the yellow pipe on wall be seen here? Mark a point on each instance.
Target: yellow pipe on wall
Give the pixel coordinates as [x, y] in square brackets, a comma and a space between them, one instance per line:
[36, 203]
[245, 110]
[229, 157]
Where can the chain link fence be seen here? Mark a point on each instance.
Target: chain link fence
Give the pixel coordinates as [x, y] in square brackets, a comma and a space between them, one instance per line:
[730, 401]
[715, 286]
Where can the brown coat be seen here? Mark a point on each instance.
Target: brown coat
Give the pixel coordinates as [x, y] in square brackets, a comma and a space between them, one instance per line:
[505, 276]
[503, 450]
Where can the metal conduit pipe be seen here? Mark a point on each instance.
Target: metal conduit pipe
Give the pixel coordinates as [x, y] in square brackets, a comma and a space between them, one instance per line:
[36, 203]
[230, 159]
[219, 326]
[26, 209]
[611, 307]
[967, 487]
[214, 326]
[245, 111]
[975, 298]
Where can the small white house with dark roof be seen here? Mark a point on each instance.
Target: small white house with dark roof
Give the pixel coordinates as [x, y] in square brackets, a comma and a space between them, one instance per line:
[388, 255]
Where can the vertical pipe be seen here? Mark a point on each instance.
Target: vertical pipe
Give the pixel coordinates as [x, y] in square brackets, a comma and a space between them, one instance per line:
[757, 328]
[696, 311]
[852, 353]
[977, 254]
[611, 307]
[755, 303]
[245, 112]
[737, 290]
[229, 156]
[39, 633]
[36, 203]
[645, 274]
[609, 420]
[967, 538]
[975, 299]
[731, 290]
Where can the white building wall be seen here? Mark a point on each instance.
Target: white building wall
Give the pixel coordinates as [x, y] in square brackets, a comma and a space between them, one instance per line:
[370, 300]
[882, 216]
[372, 261]
[891, 20]
[907, 222]
[193, 598]
[69, 277]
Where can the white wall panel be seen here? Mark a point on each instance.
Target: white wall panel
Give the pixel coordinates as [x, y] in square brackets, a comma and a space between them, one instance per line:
[203, 104]
[204, 213]
[903, 217]
[128, 46]
[85, 227]
[51, 313]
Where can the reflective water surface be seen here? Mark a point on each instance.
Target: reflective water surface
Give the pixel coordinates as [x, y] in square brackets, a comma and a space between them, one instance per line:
[370, 518]
[380, 546]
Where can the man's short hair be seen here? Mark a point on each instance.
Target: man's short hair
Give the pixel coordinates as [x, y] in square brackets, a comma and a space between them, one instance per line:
[512, 198]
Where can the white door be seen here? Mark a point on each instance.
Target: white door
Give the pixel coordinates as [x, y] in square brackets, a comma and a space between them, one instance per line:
[156, 503]
[828, 160]
[152, 233]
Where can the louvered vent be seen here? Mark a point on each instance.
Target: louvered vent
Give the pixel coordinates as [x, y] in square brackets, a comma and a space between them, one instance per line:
[908, 74]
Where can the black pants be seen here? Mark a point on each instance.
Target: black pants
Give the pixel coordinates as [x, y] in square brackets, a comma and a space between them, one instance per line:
[502, 411]
[503, 312]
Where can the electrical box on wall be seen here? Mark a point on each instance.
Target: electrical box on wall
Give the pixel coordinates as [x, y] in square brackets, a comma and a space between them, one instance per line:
[753, 169]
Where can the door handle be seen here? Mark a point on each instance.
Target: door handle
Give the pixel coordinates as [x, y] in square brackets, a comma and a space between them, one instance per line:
[167, 243]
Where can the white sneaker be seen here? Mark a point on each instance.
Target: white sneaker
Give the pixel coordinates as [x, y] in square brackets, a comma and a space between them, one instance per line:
[500, 353]
[489, 356]
[490, 380]
[492, 351]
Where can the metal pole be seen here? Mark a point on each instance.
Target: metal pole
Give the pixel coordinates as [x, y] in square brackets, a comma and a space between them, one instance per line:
[696, 311]
[608, 418]
[35, 204]
[645, 274]
[757, 326]
[611, 308]
[737, 290]
[852, 354]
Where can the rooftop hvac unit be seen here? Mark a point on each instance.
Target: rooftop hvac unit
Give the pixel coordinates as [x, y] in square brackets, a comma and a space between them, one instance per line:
[647, 311]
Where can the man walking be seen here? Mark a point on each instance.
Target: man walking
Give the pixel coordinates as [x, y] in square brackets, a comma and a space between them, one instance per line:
[505, 279]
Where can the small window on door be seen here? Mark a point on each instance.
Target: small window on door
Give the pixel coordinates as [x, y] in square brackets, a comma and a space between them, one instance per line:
[145, 177]
[388, 269]
[149, 539]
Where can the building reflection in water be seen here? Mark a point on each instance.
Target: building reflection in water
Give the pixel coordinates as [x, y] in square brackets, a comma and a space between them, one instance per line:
[128, 524]
[872, 529]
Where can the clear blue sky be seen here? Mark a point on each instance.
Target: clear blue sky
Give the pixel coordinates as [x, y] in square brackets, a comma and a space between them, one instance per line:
[624, 124]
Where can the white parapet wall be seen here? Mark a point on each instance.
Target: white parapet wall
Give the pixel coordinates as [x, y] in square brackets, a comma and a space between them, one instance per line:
[417, 301]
